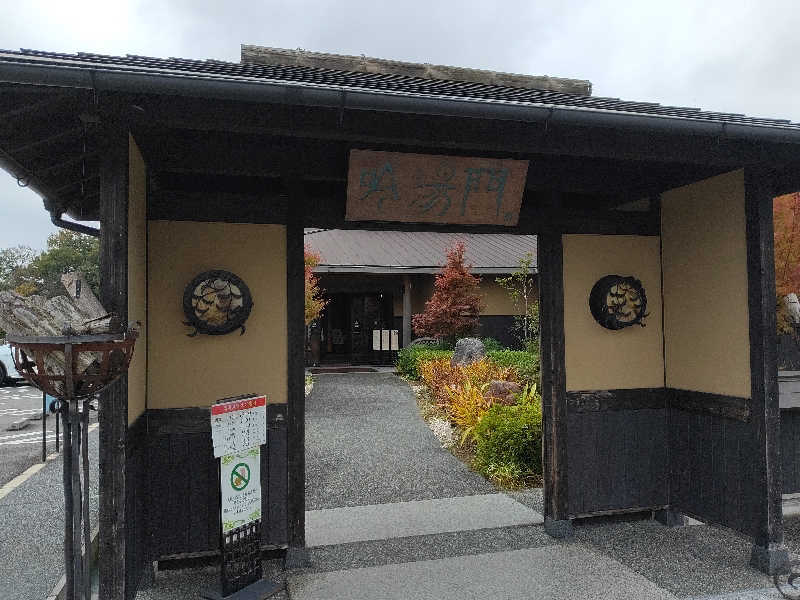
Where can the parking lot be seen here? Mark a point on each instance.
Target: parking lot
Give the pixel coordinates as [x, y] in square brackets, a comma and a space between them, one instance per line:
[20, 448]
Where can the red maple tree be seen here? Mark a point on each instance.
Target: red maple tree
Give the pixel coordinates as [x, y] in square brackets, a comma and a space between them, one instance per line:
[786, 215]
[452, 312]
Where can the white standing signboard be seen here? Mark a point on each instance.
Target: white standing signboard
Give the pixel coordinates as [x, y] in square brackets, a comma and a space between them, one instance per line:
[240, 484]
[385, 339]
[238, 425]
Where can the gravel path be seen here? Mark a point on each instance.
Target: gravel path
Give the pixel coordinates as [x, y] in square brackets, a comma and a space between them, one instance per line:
[367, 444]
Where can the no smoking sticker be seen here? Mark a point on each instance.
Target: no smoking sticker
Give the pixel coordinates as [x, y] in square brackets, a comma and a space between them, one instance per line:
[240, 484]
[240, 477]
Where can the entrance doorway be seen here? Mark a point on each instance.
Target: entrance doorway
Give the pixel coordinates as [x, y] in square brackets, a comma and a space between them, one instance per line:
[347, 325]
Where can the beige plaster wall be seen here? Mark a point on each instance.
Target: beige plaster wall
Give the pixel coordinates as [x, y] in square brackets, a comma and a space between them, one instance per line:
[197, 371]
[598, 358]
[137, 278]
[421, 292]
[707, 339]
[495, 297]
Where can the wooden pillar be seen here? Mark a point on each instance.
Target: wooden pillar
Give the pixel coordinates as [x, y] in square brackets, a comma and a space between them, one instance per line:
[113, 405]
[769, 554]
[406, 311]
[554, 405]
[295, 294]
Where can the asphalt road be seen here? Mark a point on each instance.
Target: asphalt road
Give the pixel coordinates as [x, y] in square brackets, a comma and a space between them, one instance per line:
[19, 449]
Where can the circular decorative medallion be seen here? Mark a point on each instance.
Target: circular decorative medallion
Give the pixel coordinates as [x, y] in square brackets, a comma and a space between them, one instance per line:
[216, 303]
[617, 302]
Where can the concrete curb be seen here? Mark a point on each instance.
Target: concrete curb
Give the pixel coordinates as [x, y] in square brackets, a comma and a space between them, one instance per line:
[58, 592]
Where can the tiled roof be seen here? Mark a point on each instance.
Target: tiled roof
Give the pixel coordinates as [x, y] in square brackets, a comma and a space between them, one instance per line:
[372, 82]
[359, 251]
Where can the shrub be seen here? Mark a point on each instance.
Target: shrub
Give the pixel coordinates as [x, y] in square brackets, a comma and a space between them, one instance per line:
[467, 407]
[508, 443]
[441, 378]
[409, 359]
[492, 345]
[524, 364]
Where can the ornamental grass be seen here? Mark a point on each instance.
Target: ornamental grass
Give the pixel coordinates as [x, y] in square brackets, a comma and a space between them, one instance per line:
[443, 379]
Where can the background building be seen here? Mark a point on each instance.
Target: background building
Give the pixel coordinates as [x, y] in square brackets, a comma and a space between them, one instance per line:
[380, 279]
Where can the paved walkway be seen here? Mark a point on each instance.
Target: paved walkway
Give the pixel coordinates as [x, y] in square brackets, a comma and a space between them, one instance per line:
[392, 516]
[366, 444]
[32, 526]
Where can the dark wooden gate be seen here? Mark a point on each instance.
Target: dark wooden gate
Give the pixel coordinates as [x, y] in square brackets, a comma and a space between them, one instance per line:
[184, 484]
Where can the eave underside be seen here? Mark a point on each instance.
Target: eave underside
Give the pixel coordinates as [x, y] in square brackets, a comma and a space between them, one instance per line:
[225, 160]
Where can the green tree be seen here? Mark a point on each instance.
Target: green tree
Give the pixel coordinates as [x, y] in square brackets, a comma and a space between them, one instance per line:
[14, 264]
[26, 272]
[521, 288]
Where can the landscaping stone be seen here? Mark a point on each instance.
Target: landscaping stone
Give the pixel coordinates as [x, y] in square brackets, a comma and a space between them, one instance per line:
[468, 351]
[502, 391]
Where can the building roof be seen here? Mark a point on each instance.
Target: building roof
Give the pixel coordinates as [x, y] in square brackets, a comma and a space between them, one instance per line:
[380, 83]
[381, 66]
[362, 251]
[53, 106]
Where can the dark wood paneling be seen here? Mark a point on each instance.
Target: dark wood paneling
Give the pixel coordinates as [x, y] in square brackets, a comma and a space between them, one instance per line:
[554, 406]
[137, 543]
[730, 407]
[790, 450]
[184, 481]
[113, 414]
[499, 327]
[711, 469]
[623, 399]
[617, 460]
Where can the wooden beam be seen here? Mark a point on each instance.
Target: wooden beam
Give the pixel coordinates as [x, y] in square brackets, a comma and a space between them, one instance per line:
[113, 404]
[326, 210]
[449, 133]
[554, 398]
[406, 311]
[192, 152]
[769, 553]
[295, 293]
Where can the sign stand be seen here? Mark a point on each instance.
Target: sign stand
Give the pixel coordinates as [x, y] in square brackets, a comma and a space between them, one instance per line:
[238, 430]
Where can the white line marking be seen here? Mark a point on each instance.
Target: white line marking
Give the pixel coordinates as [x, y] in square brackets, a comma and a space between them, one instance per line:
[20, 479]
[22, 435]
[21, 442]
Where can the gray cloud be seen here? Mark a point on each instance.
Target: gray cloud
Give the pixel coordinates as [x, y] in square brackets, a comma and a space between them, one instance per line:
[726, 55]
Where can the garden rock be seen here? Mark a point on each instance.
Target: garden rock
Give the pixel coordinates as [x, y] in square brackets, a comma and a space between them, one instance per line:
[502, 391]
[468, 351]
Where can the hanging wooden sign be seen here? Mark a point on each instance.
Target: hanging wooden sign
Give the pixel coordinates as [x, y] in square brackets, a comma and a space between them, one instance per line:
[423, 188]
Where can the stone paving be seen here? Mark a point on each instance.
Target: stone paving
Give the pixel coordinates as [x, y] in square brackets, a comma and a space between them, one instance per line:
[32, 525]
[373, 465]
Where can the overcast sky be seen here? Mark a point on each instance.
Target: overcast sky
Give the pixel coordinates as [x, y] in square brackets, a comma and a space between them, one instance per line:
[724, 55]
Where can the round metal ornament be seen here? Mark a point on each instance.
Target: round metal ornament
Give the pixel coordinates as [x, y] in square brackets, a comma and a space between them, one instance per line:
[216, 302]
[617, 302]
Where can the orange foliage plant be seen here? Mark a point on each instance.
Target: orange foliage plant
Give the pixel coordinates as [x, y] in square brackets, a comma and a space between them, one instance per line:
[786, 215]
